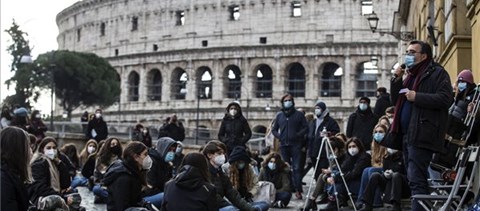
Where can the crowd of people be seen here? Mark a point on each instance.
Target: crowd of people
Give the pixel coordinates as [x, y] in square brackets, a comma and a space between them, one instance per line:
[383, 156]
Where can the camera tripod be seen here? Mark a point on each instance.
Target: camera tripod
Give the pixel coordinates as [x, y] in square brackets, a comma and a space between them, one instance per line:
[332, 157]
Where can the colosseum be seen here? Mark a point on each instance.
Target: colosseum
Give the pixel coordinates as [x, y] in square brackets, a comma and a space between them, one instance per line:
[192, 58]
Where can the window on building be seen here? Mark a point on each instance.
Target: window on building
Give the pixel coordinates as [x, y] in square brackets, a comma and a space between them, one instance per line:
[79, 34]
[234, 82]
[102, 29]
[366, 80]
[263, 82]
[204, 43]
[116, 52]
[134, 23]
[155, 47]
[180, 16]
[133, 84]
[154, 86]
[204, 83]
[296, 80]
[367, 7]
[179, 84]
[234, 12]
[331, 80]
[263, 40]
[296, 9]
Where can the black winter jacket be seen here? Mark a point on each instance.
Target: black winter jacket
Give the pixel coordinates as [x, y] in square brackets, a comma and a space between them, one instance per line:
[14, 193]
[161, 171]
[189, 191]
[279, 178]
[225, 189]
[360, 124]
[314, 138]
[100, 127]
[234, 131]
[427, 126]
[290, 127]
[383, 102]
[394, 162]
[352, 167]
[124, 187]
[42, 179]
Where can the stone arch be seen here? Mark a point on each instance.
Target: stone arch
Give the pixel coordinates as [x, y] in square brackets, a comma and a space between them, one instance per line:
[259, 129]
[366, 78]
[179, 82]
[154, 85]
[263, 81]
[331, 80]
[295, 79]
[204, 82]
[233, 81]
[133, 86]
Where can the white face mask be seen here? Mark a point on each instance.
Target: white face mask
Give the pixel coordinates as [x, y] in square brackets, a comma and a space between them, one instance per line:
[38, 116]
[98, 115]
[353, 151]
[232, 112]
[51, 153]
[91, 149]
[219, 160]
[318, 112]
[391, 151]
[147, 163]
[363, 106]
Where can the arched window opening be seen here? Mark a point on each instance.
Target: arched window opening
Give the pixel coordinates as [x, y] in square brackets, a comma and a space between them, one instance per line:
[133, 83]
[234, 82]
[154, 86]
[179, 84]
[264, 81]
[331, 80]
[366, 80]
[296, 80]
[204, 81]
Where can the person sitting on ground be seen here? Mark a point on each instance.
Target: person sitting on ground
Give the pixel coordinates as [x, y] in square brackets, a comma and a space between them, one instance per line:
[191, 188]
[392, 181]
[125, 179]
[87, 164]
[109, 152]
[276, 171]
[215, 153]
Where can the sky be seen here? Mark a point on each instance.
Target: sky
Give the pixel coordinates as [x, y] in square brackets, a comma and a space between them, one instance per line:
[37, 19]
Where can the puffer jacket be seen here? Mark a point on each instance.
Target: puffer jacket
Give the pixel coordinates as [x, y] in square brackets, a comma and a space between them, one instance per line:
[161, 171]
[234, 131]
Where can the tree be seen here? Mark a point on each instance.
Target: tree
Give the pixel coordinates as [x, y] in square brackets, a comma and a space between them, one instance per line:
[80, 79]
[26, 82]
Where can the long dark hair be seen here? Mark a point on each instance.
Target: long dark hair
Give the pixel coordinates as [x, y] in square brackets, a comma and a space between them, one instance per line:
[199, 161]
[44, 142]
[15, 152]
[70, 150]
[133, 150]
[105, 153]
[279, 163]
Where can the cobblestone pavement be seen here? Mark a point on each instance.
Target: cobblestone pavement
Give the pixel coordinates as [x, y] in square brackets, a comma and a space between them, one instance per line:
[295, 204]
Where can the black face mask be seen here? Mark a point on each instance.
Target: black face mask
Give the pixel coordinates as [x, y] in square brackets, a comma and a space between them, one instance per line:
[116, 150]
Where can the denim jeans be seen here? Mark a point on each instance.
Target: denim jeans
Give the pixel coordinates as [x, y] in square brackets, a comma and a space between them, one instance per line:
[284, 197]
[99, 191]
[293, 155]
[366, 175]
[259, 205]
[156, 199]
[79, 180]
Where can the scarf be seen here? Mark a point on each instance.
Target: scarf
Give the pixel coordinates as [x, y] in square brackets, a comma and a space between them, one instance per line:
[416, 73]
[54, 173]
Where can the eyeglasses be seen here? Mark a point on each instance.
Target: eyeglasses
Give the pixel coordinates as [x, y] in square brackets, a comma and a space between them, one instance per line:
[410, 53]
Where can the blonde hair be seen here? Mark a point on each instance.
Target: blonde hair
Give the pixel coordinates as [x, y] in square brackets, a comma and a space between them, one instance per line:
[378, 151]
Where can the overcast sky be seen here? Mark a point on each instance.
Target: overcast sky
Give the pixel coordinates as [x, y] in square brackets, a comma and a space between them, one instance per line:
[37, 19]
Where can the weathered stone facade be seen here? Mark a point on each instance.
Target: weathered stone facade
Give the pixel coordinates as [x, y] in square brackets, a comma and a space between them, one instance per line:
[151, 46]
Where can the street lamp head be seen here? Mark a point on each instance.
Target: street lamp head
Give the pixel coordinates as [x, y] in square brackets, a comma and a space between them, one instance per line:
[374, 61]
[373, 21]
[26, 59]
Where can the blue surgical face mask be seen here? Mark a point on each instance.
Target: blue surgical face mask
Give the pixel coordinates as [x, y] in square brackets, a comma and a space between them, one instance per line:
[287, 104]
[241, 165]
[272, 166]
[409, 60]
[363, 106]
[378, 137]
[462, 86]
[169, 157]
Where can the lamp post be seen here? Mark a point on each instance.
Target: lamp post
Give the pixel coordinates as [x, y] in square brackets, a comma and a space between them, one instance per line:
[399, 35]
[248, 101]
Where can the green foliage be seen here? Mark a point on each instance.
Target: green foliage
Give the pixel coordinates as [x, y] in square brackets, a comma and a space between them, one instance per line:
[24, 79]
[81, 79]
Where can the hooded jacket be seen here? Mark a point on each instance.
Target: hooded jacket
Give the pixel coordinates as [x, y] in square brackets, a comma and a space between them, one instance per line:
[161, 171]
[189, 191]
[123, 185]
[290, 126]
[234, 131]
[100, 127]
[360, 124]
[314, 133]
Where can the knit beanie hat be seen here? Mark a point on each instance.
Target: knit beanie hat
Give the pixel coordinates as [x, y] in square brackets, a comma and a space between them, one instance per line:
[239, 153]
[366, 99]
[321, 105]
[466, 75]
